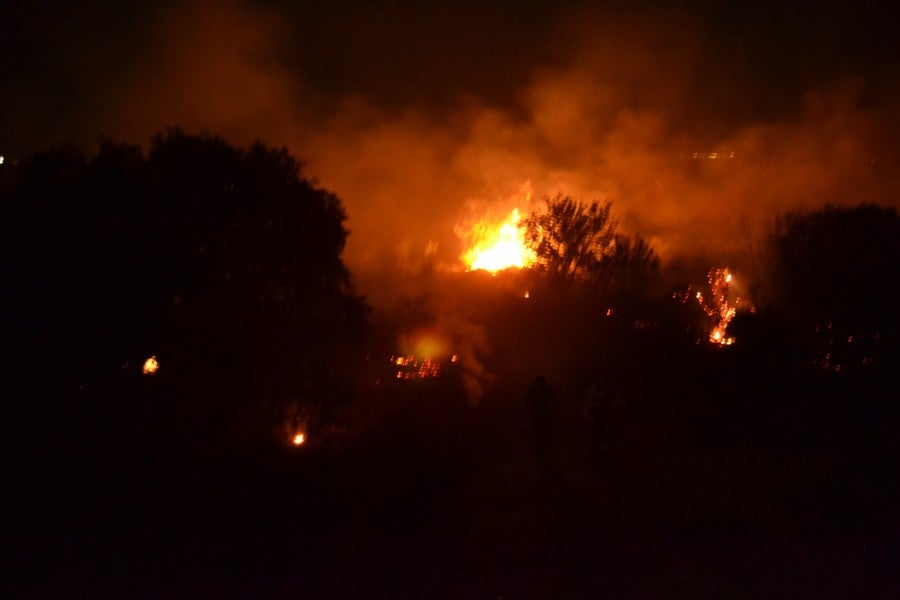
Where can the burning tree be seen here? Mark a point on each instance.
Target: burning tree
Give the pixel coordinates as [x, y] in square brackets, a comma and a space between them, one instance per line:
[719, 306]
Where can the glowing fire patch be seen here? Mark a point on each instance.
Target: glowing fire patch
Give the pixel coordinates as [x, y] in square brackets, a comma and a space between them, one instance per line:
[719, 307]
[410, 367]
[494, 247]
[299, 439]
[151, 366]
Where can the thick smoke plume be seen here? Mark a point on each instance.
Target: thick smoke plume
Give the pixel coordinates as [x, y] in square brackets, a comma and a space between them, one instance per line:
[623, 107]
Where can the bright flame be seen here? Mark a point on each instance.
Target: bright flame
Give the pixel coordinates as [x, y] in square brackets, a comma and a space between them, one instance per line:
[151, 366]
[299, 439]
[719, 307]
[722, 311]
[498, 246]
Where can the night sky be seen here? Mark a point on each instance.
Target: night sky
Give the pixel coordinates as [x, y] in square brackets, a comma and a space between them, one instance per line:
[421, 116]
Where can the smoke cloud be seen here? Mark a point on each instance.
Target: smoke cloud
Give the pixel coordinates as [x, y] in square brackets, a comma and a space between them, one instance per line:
[419, 132]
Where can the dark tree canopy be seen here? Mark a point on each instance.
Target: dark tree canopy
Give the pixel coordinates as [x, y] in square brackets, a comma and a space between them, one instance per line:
[571, 238]
[629, 263]
[832, 277]
[837, 264]
[218, 259]
[575, 241]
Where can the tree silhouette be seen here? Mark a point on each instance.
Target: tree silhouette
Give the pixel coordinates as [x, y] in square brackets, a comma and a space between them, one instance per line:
[832, 276]
[224, 262]
[574, 241]
[571, 238]
[629, 264]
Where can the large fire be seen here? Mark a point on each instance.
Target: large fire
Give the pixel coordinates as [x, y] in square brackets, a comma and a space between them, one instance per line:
[496, 246]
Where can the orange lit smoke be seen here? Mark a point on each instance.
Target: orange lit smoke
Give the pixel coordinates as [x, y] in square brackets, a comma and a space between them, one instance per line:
[494, 247]
[620, 115]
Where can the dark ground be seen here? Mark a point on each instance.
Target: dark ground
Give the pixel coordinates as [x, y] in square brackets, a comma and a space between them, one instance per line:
[689, 498]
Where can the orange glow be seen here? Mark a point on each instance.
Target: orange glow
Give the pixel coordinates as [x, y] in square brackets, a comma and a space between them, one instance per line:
[719, 282]
[421, 343]
[411, 367]
[299, 439]
[494, 247]
[151, 366]
[719, 307]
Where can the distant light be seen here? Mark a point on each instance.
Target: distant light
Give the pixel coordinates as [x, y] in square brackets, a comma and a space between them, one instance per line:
[1, 159]
[151, 366]
[299, 439]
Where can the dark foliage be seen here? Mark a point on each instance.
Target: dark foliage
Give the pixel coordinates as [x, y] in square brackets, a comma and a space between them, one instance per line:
[630, 264]
[578, 242]
[833, 278]
[571, 238]
[225, 263]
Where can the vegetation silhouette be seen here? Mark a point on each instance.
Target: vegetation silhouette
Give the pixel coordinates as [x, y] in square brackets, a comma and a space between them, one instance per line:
[223, 262]
[571, 238]
[831, 276]
[578, 242]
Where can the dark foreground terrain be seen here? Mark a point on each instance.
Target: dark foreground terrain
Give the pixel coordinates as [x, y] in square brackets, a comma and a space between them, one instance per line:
[687, 496]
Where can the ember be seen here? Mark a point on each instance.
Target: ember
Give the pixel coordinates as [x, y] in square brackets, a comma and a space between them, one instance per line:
[411, 367]
[299, 439]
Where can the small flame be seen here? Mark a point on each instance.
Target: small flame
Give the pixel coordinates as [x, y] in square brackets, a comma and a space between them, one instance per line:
[498, 246]
[151, 366]
[299, 439]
